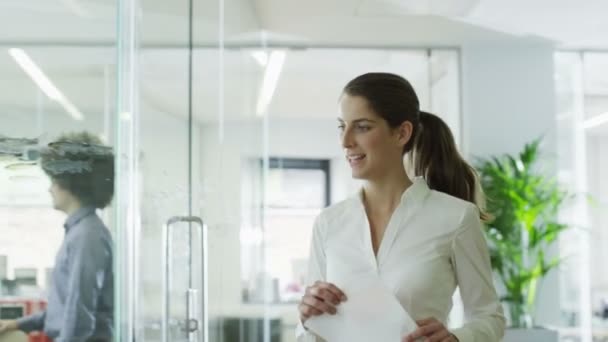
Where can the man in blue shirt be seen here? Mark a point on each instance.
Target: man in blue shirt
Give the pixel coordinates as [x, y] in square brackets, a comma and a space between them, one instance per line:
[80, 300]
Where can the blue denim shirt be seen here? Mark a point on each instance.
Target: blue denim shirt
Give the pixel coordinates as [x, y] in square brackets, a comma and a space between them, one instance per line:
[81, 299]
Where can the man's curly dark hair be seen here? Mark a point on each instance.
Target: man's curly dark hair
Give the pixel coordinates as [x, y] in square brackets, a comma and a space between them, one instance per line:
[81, 164]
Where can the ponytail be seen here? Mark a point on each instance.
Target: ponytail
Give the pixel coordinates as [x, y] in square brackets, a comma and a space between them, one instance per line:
[435, 157]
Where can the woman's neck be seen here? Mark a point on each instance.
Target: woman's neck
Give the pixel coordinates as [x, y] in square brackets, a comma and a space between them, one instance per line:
[384, 195]
[72, 208]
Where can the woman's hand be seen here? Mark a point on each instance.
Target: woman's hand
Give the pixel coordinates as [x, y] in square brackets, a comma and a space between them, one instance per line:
[430, 330]
[320, 298]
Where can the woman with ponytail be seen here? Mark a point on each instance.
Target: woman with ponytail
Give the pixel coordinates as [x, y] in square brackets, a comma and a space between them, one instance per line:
[435, 158]
[421, 236]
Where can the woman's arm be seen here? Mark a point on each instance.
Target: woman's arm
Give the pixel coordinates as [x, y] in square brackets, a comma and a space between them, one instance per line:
[485, 321]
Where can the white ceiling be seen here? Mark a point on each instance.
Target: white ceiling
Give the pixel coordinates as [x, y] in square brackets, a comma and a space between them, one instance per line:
[384, 22]
[571, 24]
[312, 77]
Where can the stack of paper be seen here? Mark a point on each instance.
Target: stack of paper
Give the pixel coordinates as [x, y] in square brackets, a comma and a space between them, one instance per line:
[371, 313]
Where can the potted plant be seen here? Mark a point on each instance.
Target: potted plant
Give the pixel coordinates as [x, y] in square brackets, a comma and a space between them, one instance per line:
[524, 203]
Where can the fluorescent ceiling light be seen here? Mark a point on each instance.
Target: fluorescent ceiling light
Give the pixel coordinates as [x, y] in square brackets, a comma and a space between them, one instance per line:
[43, 82]
[595, 121]
[271, 78]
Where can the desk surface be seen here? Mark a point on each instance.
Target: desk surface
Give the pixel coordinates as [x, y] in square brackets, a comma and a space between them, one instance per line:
[14, 336]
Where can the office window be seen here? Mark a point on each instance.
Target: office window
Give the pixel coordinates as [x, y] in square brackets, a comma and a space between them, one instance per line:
[297, 190]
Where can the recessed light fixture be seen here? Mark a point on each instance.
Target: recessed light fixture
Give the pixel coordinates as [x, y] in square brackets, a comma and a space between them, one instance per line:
[43, 82]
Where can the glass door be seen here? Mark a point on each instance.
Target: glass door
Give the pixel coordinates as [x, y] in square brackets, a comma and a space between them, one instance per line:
[190, 168]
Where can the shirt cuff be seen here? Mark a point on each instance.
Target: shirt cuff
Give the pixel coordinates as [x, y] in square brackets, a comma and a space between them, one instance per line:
[303, 335]
[463, 334]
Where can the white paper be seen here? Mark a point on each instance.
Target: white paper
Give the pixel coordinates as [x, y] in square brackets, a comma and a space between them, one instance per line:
[371, 313]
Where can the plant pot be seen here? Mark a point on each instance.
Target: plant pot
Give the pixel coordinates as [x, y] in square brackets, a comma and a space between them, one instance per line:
[530, 335]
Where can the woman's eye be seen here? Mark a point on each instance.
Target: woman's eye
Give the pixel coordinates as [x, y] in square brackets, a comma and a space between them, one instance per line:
[363, 128]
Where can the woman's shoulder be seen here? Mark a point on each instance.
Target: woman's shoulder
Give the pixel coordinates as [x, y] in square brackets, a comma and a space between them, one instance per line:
[449, 202]
[450, 207]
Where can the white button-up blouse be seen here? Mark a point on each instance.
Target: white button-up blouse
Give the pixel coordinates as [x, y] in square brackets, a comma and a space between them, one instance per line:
[433, 243]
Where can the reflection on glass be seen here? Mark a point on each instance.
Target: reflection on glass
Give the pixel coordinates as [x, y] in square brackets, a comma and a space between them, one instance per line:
[79, 301]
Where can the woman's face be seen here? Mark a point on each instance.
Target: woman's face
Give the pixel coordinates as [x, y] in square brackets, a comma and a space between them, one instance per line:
[372, 148]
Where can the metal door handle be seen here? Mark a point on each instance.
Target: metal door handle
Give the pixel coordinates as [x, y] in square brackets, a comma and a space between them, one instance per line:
[196, 318]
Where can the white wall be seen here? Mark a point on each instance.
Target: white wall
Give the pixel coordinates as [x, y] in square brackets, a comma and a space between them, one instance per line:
[508, 96]
[598, 188]
[508, 100]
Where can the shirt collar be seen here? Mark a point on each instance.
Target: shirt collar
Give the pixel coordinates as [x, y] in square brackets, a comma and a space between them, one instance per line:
[417, 190]
[77, 216]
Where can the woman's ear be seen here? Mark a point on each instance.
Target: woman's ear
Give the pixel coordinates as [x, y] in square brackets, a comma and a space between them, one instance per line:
[404, 133]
